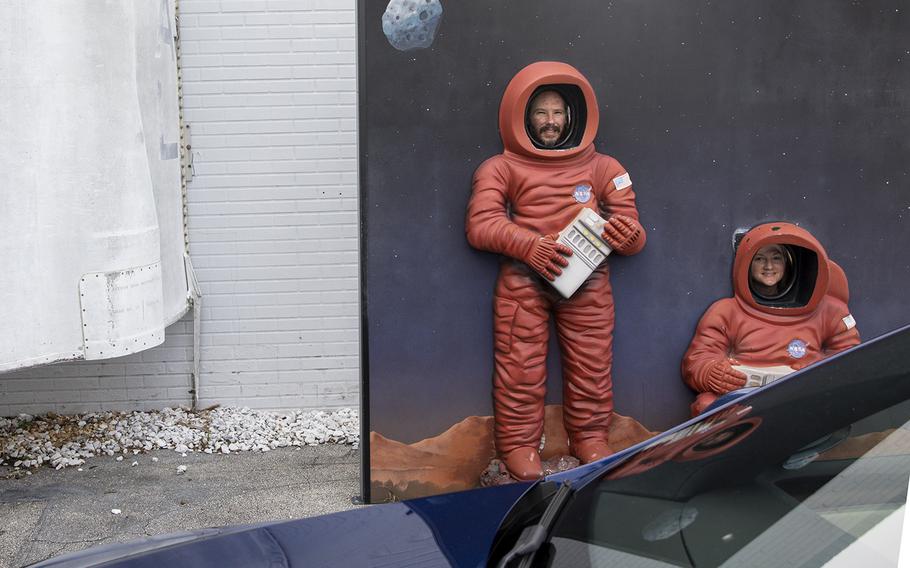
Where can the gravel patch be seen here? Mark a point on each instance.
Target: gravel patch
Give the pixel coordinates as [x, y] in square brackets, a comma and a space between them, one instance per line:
[28, 442]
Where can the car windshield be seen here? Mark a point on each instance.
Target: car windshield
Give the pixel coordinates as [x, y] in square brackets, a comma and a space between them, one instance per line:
[811, 475]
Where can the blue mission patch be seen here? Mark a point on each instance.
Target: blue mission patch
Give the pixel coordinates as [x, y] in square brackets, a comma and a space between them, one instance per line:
[582, 193]
[797, 349]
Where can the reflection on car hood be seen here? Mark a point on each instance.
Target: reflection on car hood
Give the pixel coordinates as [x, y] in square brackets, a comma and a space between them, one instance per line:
[745, 410]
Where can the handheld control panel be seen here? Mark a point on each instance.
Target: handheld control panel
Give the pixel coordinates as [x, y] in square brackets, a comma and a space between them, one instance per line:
[583, 236]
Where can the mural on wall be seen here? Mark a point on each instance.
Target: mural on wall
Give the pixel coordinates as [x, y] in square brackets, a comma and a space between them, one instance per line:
[727, 116]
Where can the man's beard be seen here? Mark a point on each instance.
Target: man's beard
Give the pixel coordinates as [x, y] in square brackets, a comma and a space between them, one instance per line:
[548, 143]
[551, 142]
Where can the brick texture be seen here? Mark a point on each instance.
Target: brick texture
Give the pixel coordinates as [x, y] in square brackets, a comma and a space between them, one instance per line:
[270, 95]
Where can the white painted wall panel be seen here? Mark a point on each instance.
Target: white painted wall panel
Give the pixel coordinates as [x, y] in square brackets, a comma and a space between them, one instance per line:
[270, 94]
[89, 179]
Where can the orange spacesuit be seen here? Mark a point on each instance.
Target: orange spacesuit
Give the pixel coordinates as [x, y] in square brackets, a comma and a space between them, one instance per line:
[520, 200]
[802, 319]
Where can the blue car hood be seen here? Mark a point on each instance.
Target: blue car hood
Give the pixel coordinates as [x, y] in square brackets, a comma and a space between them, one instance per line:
[455, 529]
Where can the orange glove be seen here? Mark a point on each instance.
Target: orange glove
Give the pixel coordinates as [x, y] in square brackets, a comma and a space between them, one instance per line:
[721, 377]
[621, 232]
[547, 256]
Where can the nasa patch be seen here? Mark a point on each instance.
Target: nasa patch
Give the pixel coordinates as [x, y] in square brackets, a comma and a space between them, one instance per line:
[797, 349]
[582, 193]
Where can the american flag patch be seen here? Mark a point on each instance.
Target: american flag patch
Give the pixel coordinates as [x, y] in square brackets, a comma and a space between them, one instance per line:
[622, 182]
[849, 321]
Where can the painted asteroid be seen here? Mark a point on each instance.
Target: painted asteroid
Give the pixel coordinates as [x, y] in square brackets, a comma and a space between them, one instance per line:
[411, 24]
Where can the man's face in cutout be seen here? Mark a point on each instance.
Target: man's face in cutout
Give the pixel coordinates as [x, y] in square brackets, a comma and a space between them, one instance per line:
[547, 118]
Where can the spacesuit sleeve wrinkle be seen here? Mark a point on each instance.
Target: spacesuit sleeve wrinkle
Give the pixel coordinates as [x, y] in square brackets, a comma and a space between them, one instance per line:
[711, 343]
[622, 202]
[488, 224]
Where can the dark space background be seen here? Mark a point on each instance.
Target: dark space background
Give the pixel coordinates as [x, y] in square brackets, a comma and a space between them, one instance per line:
[726, 114]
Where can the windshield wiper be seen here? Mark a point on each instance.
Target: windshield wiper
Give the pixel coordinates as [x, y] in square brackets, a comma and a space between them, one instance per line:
[533, 536]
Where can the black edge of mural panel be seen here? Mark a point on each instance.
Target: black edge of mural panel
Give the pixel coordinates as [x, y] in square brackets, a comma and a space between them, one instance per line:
[364, 316]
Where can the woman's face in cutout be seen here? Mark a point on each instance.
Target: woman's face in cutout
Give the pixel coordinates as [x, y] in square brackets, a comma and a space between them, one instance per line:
[768, 268]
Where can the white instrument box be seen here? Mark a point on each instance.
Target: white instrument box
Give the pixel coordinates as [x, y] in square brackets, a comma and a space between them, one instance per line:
[583, 236]
[761, 376]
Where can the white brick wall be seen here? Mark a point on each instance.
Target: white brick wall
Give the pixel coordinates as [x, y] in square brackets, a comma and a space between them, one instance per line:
[270, 94]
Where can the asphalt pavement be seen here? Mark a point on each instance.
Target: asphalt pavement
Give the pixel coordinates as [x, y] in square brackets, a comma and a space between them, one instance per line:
[52, 512]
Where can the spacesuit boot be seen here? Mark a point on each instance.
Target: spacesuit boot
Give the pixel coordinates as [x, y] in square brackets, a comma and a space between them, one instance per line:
[588, 450]
[523, 463]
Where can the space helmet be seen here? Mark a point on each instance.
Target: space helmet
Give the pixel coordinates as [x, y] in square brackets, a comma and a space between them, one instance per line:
[806, 274]
[581, 110]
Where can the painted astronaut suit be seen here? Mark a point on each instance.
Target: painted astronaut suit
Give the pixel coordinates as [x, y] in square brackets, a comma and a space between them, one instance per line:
[519, 199]
[806, 325]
